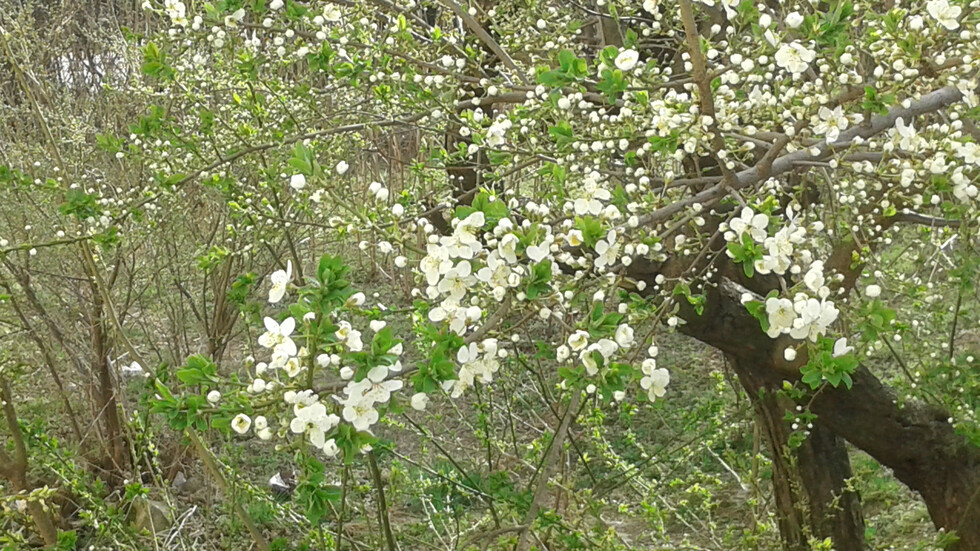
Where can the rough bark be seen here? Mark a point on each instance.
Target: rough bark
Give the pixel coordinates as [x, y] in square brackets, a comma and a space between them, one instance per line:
[809, 482]
[914, 440]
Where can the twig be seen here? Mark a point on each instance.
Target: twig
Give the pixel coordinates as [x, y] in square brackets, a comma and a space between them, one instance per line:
[215, 472]
[382, 504]
[547, 466]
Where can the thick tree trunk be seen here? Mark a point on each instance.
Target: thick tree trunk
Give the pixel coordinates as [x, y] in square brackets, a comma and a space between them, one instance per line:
[914, 440]
[917, 442]
[809, 483]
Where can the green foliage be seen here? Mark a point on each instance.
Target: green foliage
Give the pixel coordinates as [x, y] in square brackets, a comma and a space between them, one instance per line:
[875, 103]
[823, 365]
[492, 207]
[540, 277]
[746, 252]
[570, 69]
[79, 204]
[155, 63]
[874, 319]
[317, 497]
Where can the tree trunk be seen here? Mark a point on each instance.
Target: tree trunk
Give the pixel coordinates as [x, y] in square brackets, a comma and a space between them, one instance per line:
[14, 469]
[914, 440]
[106, 405]
[920, 446]
[809, 483]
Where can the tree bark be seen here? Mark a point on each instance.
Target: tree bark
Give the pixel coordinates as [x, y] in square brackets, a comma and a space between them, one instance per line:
[810, 482]
[106, 406]
[14, 469]
[914, 440]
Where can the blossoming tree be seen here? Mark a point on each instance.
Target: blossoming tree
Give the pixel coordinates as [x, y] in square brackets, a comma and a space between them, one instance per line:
[565, 184]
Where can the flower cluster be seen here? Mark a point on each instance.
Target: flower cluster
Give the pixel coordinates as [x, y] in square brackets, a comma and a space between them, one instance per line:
[448, 268]
[311, 418]
[779, 252]
[478, 362]
[802, 318]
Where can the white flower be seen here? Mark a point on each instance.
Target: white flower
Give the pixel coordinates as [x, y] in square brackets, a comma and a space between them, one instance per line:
[342, 167]
[235, 18]
[241, 423]
[214, 397]
[420, 400]
[588, 360]
[814, 279]
[508, 248]
[330, 448]
[276, 4]
[257, 386]
[436, 263]
[969, 151]
[457, 315]
[831, 123]
[496, 134]
[608, 250]
[794, 57]
[261, 422]
[354, 342]
[624, 336]
[496, 273]
[841, 348]
[537, 253]
[578, 340]
[789, 354]
[964, 190]
[945, 14]
[332, 13]
[648, 366]
[276, 336]
[872, 291]
[356, 299]
[794, 19]
[655, 383]
[376, 388]
[755, 224]
[908, 139]
[815, 316]
[279, 279]
[606, 347]
[297, 181]
[627, 59]
[457, 280]
[360, 414]
[781, 316]
[313, 421]
[562, 353]
[292, 367]
[650, 5]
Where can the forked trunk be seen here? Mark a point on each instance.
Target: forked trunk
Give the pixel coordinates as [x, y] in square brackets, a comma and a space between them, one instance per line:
[809, 482]
[915, 440]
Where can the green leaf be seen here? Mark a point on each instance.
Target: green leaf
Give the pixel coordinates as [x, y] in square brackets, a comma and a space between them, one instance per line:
[540, 277]
[492, 207]
[562, 134]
